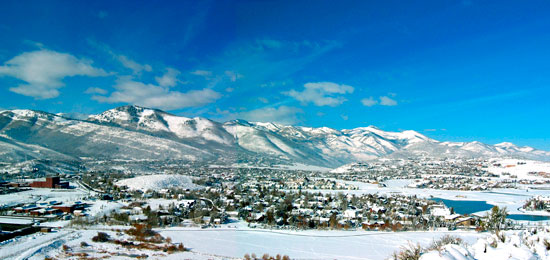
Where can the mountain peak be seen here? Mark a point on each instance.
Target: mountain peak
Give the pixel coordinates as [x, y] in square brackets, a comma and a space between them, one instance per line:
[239, 122]
[30, 113]
[506, 145]
[322, 146]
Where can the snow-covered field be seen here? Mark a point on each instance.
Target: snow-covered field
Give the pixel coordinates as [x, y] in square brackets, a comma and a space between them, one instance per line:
[234, 243]
[41, 245]
[228, 243]
[158, 182]
[43, 195]
[520, 168]
[304, 244]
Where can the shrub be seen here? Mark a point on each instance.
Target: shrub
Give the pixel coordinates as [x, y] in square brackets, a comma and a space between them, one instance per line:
[501, 236]
[101, 237]
[410, 252]
[444, 240]
[80, 221]
[494, 243]
[266, 257]
[181, 248]
[546, 244]
[83, 244]
[141, 231]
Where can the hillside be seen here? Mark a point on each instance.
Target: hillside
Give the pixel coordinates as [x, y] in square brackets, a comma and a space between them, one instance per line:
[137, 133]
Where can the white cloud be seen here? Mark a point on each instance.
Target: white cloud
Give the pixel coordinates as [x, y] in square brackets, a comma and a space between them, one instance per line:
[321, 93]
[44, 71]
[383, 101]
[281, 115]
[263, 100]
[369, 102]
[96, 91]
[136, 67]
[203, 73]
[133, 65]
[169, 79]
[233, 76]
[386, 101]
[149, 95]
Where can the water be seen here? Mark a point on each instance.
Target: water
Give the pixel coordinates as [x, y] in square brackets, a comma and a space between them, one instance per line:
[465, 206]
[472, 206]
[528, 217]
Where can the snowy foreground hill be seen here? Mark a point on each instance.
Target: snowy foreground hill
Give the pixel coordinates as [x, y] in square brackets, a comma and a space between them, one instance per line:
[526, 244]
[137, 133]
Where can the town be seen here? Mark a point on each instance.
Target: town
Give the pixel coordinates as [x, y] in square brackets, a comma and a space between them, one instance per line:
[358, 199]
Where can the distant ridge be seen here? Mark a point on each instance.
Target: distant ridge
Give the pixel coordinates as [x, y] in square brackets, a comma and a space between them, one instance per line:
[138, 133]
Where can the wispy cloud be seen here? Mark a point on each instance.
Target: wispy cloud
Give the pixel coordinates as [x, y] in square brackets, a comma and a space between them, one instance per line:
[382, 100]
[125, 61]
[44, 71]
[282, 115]
[369, 102]
[202, 73]
[93, 90]
[387, 101]
[262, 62]
[321, 93]
[150, 95]
[136, 68]
[232, 75]
[169, 79]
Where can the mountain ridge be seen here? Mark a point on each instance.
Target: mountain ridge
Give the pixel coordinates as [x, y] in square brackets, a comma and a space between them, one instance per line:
[133, 132]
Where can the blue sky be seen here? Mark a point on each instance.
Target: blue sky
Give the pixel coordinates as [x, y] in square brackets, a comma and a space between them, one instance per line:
[453, 70]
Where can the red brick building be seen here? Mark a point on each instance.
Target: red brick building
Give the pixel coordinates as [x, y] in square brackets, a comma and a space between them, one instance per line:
[51, 182]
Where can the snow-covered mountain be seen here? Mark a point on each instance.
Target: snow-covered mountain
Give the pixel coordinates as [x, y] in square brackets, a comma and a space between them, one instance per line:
[76, 139]
[159, 122]
[137, 133]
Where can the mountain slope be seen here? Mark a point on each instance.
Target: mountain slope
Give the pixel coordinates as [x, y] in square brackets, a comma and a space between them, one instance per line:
[88, 139]
[137, 133]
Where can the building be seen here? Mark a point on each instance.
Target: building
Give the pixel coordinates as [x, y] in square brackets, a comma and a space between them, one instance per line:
[68, 208]
[51, 183]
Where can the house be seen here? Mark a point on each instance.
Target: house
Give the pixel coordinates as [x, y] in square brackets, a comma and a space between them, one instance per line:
[350, 213]
[68, 208]
[465, 222]
[373, 225]
[51, 183]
